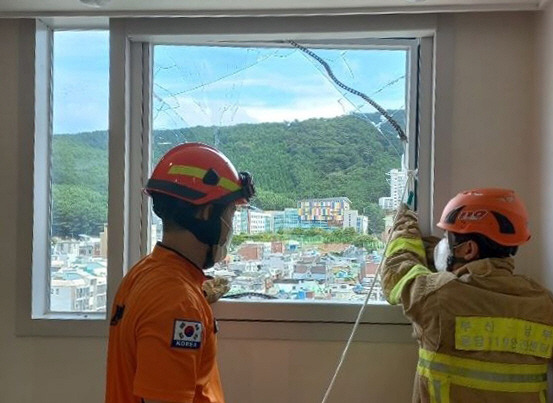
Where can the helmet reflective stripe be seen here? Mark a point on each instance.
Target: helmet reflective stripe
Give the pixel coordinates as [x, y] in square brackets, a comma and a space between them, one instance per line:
[200, 173]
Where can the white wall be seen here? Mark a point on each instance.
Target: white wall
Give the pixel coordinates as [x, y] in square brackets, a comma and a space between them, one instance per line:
[492, 101]
[493, 123]
[492, 97]
[31, 369]
[543, 150]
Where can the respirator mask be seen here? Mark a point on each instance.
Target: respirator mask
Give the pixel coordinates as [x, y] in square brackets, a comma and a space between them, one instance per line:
[444, 257]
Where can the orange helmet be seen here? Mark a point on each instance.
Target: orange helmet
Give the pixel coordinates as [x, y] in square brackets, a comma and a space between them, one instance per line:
[200, 174]
[495, 213]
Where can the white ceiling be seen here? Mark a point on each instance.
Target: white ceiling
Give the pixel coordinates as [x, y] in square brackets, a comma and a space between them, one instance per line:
[254, 7]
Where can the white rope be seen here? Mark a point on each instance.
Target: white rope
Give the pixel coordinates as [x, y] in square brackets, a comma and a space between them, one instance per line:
[409, 183]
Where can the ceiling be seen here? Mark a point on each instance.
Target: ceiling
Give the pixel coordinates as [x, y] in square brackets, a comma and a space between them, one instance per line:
[16, 8]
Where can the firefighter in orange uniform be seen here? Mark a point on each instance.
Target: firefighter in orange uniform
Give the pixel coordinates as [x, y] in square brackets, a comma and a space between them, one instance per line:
[485, 334]
[162, 342]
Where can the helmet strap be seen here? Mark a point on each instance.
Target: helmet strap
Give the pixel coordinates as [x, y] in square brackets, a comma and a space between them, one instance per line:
[209, 261]
[452, 260]
[208, 232]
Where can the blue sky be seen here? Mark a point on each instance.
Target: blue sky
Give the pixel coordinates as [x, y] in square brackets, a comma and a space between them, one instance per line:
[223, 85]
[81, 81]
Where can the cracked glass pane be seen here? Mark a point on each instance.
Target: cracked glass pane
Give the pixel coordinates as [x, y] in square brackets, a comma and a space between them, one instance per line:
[327, 164]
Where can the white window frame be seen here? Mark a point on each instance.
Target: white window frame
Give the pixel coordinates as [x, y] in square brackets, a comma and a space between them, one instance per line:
[33, 316]
[133, 40]
[130, 59]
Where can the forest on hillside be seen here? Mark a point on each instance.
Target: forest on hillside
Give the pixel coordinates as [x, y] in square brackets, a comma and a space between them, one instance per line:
[325, 157]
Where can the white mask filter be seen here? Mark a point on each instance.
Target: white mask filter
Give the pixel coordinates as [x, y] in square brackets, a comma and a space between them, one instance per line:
[441, 253]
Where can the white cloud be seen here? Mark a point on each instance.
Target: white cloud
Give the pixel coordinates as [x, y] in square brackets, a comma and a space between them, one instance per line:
[189, 111]
[185, 111]
[300, 111]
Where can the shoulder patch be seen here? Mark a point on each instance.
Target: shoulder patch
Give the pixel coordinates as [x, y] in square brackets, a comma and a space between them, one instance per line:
[187, 334]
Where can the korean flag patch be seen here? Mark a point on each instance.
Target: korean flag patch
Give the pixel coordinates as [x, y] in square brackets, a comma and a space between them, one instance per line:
[187, 334]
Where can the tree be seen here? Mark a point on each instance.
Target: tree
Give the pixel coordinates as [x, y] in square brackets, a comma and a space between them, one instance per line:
[268, 200]
[290, 161]
[376, 218]
[77, 210]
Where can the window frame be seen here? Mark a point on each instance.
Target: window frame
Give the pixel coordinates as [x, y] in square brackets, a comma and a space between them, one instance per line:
[141, 35]
[33, 315]
[128, 165]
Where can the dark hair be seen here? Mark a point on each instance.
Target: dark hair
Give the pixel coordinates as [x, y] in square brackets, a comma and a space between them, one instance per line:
[487, 248]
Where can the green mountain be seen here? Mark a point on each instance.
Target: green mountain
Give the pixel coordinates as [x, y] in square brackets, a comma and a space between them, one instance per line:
[343, 156]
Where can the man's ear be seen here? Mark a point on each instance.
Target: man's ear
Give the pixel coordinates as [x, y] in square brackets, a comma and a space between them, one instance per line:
[470, 250]
[204, 212]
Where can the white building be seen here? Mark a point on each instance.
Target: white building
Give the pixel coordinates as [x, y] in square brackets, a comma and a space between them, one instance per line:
[386, 203]
[69, 292]
[65, 247]
[240, 221]
[258, 222]
[77, 291]
[397, 184]
[352, 219]
[363, 224]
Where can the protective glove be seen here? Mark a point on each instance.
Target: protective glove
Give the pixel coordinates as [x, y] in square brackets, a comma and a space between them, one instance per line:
[215, 288]
[406, 223]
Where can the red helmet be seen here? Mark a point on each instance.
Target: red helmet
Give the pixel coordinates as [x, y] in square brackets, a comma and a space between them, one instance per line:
[495, 213]
[200, 174]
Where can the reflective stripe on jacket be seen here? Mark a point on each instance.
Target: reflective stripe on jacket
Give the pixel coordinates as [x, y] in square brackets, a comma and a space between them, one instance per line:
[485, 334]
[442, 370]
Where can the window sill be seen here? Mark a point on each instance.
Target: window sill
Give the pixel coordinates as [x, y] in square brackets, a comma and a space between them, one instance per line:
[297, 321]
[304, 321]
[64, 325]
[81, 316]
[318, 312]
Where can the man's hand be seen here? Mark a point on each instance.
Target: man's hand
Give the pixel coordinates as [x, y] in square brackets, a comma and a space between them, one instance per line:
[215, 288]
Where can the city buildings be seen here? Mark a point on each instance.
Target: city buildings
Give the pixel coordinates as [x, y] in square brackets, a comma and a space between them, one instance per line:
[337, 272]
[285, 219]
[78, 274]
[296, 267]
[329, 211]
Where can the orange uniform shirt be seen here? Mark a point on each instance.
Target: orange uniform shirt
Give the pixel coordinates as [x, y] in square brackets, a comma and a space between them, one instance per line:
[162, 343]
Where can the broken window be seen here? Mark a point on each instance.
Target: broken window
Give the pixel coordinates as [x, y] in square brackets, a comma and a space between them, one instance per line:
[329, 166]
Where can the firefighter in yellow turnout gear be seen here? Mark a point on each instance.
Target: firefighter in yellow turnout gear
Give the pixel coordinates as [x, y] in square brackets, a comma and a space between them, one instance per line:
[485, 334]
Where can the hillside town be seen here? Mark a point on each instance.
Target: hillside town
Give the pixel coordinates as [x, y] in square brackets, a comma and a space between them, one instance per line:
[297, 265]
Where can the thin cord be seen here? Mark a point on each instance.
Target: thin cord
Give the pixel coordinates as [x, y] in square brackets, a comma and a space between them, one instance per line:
[353, 91]
[409, 183]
